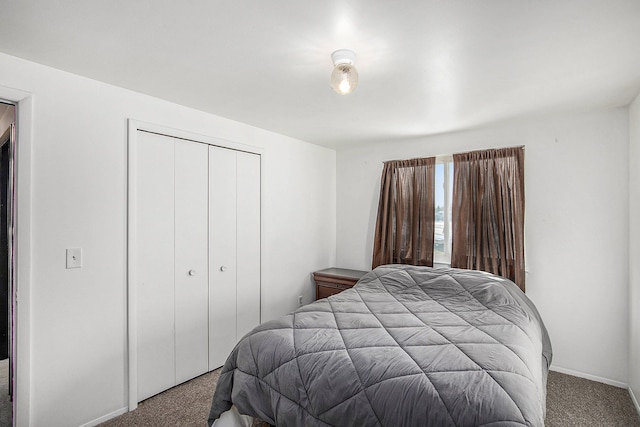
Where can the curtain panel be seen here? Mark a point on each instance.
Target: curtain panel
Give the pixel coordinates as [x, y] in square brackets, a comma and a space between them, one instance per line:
[488, 212]
[406, 213]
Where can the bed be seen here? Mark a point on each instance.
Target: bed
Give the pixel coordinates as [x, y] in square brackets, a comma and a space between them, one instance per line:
[405, 346]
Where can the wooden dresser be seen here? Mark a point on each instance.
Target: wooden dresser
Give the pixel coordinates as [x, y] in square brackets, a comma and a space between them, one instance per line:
[332, 281]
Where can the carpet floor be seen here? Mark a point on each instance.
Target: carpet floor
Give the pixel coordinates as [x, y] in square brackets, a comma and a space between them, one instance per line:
[185, 405]
[5, 402]
[571, 401]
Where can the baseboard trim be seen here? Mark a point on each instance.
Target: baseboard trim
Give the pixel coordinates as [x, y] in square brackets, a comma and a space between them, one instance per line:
[589, 377]
[105, 417]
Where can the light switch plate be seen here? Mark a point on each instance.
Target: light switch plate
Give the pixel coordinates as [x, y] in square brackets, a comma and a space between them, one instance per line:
[74, 258]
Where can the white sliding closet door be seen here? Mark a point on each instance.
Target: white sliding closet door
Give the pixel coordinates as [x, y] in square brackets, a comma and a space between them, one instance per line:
[194, 257]
[248, 242]
[155, 268]
[234, 249]
[172, 264]
[191, 261]
[222, 255]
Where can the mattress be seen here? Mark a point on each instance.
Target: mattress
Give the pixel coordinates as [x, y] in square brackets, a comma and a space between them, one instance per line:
[405, 346]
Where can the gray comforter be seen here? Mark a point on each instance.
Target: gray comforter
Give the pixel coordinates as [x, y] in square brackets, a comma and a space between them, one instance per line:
[406, 346]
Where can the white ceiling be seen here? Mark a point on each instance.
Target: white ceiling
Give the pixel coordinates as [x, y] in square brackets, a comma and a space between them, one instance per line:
[426, 66]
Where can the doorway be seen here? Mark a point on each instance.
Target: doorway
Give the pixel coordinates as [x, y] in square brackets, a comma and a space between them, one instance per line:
[7, 132]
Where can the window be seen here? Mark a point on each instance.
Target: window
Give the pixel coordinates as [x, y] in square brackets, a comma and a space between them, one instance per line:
[416, 225]
[443, 198]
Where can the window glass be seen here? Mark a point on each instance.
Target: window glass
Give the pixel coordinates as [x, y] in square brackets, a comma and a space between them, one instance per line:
[443, 196]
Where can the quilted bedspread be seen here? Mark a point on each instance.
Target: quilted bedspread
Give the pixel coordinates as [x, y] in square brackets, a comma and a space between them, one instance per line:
[406, 346]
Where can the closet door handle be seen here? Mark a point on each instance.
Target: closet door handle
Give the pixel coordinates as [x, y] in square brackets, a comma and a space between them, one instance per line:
[223, 268]
[192, 272]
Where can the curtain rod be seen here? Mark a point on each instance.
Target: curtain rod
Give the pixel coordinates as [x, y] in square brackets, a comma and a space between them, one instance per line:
[452, 154]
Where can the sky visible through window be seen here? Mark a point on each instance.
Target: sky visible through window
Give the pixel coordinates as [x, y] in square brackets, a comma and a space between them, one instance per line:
[441, 238]
[440, 184]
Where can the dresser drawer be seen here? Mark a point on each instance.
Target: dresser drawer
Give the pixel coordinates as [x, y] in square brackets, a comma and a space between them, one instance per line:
[324, 290]
[335, 280]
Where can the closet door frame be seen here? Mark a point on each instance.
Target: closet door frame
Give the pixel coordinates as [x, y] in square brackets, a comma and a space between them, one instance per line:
[135, 126]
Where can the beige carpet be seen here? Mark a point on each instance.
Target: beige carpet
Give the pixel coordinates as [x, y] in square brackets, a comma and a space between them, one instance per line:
[185, 405]
[571, 401]
[5, 402]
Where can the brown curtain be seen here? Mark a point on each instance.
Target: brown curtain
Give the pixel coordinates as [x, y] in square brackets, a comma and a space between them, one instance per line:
[488, 212]
[404, 228]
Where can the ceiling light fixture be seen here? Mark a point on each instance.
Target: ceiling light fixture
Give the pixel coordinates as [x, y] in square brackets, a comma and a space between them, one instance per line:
[344, 77]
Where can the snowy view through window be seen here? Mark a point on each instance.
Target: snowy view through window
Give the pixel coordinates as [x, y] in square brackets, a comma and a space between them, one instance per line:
[443, 196]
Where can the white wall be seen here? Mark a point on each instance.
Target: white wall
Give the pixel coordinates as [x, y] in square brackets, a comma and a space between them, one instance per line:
[634, 249]
[77, 320]
[576, 224]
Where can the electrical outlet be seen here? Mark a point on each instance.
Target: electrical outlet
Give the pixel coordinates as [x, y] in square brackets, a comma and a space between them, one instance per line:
[300, 301]
[74, 258]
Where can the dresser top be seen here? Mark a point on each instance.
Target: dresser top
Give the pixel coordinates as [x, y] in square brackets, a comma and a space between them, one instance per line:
[341, 272]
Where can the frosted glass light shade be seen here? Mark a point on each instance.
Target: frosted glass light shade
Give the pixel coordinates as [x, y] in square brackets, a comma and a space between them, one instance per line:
[344, 77]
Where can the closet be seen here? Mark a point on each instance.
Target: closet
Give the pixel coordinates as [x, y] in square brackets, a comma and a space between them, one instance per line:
[194, 256]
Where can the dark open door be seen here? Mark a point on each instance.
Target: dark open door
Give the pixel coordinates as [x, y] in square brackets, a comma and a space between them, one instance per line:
[4, 250]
